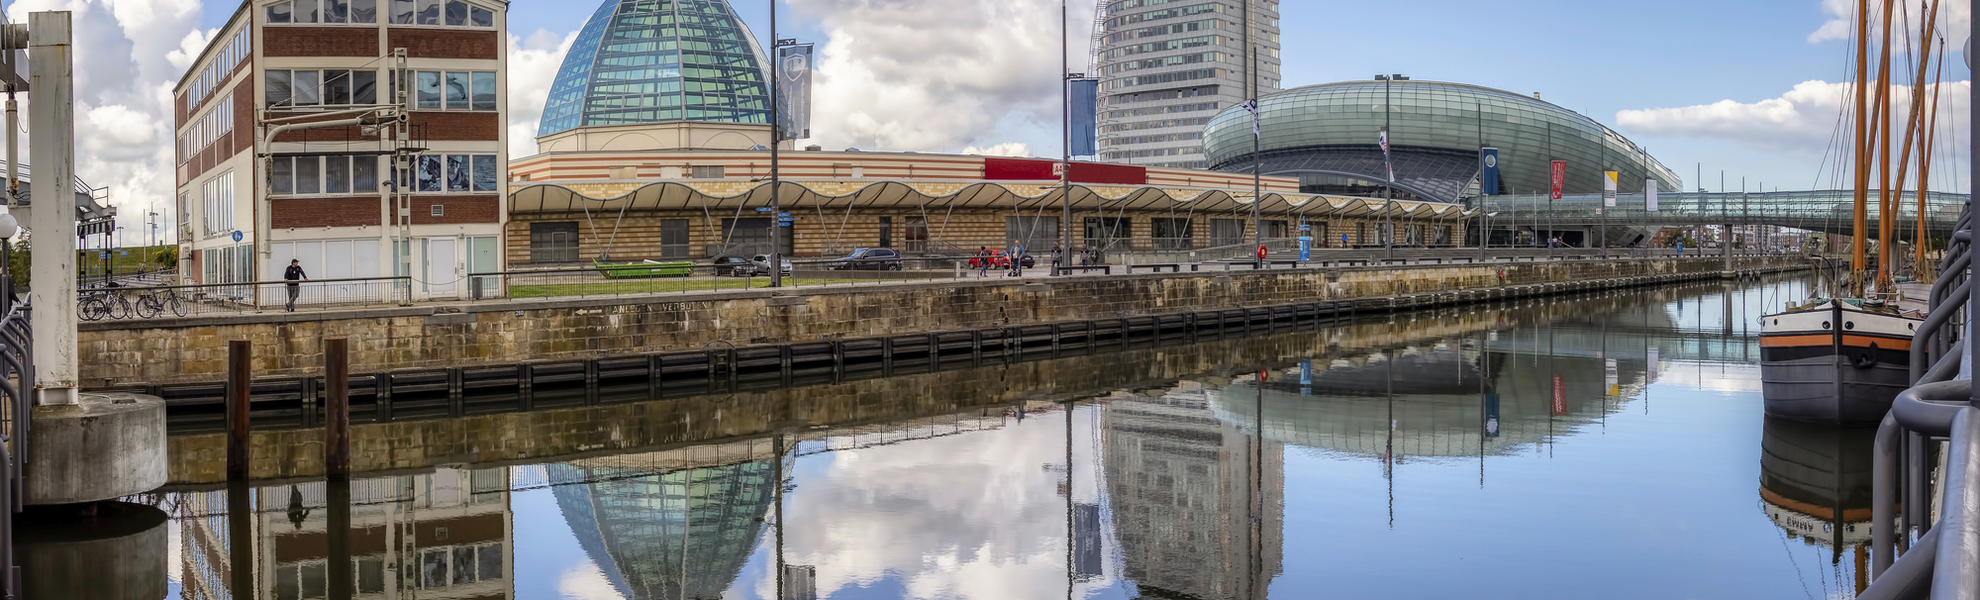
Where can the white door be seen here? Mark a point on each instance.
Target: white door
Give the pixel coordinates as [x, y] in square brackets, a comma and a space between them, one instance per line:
[441, 267]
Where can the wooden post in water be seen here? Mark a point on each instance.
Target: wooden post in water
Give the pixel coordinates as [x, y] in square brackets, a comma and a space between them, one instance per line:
[337, 407]
[240, 378]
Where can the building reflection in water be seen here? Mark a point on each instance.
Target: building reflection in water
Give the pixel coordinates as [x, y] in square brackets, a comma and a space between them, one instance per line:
[1197, 504]
[673, 524]
[1815, 485]
[440, 535]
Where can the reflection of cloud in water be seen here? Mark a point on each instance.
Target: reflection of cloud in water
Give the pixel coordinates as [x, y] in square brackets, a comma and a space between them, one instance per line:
[584, 582]
[968, 516]
[1713, 376]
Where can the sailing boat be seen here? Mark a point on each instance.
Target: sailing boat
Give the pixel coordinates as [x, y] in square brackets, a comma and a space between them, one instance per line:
[1842, 359]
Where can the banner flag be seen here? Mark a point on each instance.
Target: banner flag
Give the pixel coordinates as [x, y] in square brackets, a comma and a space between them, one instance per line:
[1650, 195]
[1558, 178]
[1384, 139]
[1489, 181]
[1609, 188]
[794, 91]
[1560, 395]
[1085, 94]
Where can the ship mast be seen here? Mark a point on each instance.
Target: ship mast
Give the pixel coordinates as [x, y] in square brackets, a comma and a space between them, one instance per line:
[1880, 141]
[1928, 144]
[1893, 199]
[1862, 122]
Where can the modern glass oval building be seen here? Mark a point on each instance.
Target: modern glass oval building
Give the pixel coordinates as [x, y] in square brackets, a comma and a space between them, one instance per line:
[656, 61]
[1327, 135]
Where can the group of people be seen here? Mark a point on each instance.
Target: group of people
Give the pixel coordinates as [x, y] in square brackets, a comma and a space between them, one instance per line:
[986, 258]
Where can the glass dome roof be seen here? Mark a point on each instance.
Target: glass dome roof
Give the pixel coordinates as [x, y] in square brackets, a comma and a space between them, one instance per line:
[649, 61]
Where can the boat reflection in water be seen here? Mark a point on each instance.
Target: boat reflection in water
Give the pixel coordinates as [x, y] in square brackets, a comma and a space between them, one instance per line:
[1815, 485]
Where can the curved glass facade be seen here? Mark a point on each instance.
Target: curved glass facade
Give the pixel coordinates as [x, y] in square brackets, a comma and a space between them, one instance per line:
[1435, 131]
[650, 61]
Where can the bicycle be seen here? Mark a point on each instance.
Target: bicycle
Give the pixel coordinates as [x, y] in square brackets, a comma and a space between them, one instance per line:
[156, 302]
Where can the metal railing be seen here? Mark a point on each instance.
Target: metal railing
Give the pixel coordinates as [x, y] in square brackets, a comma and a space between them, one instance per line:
[197, 300]
[16, 386]
[1940, 559]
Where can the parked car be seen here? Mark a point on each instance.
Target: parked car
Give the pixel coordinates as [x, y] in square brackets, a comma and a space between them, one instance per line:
[868, 258]
[999, 258]
[735, 265]
[762, 263]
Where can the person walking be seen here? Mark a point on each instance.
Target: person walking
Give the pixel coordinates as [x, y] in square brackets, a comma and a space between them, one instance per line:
[982, 261]
[1058, 255]
[1017, 258]
[295, 277]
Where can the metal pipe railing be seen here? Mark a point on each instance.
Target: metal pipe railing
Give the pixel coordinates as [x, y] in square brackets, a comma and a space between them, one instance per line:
[1956, 569]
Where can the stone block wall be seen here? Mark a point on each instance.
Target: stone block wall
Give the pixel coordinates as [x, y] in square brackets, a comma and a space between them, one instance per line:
[505, 332]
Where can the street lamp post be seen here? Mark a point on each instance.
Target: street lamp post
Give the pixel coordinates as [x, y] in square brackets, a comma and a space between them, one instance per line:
[776, 140]
[1389, 187]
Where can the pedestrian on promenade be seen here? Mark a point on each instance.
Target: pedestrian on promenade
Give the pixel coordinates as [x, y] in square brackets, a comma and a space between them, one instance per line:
[295, 277]
[1058, 255]
[982, 261]
[1017, 259]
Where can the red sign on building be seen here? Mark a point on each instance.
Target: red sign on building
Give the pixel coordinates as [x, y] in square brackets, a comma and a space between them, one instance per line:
[1560, 177]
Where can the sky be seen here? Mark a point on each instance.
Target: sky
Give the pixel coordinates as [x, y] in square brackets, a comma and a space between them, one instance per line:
[1748, 89]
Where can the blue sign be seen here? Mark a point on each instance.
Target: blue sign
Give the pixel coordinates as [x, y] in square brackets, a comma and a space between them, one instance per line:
[105, 254]
[1305, 227]
[784, 224]
[762, 209]
[1305, 247]
[783, 214]
[1488, 161]
[237, 235]
[123, 253]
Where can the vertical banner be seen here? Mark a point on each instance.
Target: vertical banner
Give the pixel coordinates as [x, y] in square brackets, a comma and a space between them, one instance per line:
[1305, 378]
[1611, 377]
[1085, 111]
[1650, 195]
[1492, 414]
[1488, 161]
[1609, 188]
[1383, 138]
[794, 91]
[1651, 369]
[1560, 395]
[1557, 179]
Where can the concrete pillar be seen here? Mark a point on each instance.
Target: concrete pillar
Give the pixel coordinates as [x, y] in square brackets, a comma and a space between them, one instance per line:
[52, 149]
[102, 447]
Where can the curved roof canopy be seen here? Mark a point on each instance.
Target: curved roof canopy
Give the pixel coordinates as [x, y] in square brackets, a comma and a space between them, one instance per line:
[1435, 131]
[835, 195]
[651, 61]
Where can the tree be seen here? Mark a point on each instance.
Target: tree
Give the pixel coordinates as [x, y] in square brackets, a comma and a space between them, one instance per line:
[166, 257]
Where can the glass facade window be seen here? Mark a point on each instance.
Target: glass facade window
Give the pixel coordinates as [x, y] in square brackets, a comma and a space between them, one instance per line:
[649, 61]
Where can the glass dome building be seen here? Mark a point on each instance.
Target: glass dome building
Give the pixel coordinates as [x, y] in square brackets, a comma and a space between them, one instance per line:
[1327, 136]
[656, 61]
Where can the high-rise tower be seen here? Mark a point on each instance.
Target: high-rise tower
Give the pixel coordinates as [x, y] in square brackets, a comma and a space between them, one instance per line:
[1167, 66]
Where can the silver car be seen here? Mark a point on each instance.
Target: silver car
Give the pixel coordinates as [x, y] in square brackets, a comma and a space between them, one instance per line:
[762, 262]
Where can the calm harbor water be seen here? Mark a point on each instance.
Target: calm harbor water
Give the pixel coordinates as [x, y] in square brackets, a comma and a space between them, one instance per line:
[1602, 446]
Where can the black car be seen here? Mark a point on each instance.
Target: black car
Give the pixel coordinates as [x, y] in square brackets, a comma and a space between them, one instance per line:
[868, 258]
[735, 265]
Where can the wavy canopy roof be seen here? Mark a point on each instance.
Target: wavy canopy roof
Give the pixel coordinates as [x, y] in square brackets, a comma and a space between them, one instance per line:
[841, 194]
[652, 61]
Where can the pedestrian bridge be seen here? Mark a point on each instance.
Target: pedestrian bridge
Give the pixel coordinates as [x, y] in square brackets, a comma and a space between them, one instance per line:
[1827, 211]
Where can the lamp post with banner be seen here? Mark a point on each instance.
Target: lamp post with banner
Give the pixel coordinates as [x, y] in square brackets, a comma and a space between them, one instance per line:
[1557, 176]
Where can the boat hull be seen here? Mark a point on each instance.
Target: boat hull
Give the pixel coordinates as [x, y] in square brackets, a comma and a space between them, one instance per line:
[1837, 365]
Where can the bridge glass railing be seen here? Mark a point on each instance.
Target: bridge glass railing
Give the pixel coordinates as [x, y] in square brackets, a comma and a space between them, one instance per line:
[1820, 210]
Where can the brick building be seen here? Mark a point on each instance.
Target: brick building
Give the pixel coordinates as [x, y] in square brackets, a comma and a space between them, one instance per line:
[418, 87]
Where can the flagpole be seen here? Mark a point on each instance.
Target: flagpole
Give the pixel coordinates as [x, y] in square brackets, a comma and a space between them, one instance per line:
[1257, 163]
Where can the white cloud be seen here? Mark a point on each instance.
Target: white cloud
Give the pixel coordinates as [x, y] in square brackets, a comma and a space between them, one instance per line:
[1800, 121]
[131, 54]
[533, 64]
[1004, 149]
[936, 74]
[1840, 22]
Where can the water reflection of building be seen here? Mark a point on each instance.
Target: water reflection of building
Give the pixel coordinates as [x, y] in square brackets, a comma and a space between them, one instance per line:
[1184, 488]
[673, 524]
[441, 535]
[1432, 401]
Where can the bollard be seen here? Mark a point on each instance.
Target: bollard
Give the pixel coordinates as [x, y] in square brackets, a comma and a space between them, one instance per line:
[337, 404]
[240, 361]
[337, 500]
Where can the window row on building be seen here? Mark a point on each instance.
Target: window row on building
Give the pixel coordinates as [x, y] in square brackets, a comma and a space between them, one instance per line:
[1160, 110]
[450, 13]
[1127, 4]
[207, 129]
[210, 78]
[1161, 30]
[1153, 139]
[1124, 155]
[1171, 13]
[217, 202]
[1166, 61]
[1158, 78]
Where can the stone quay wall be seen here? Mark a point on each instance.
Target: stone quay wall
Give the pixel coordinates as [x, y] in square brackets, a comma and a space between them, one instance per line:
[505, 332]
